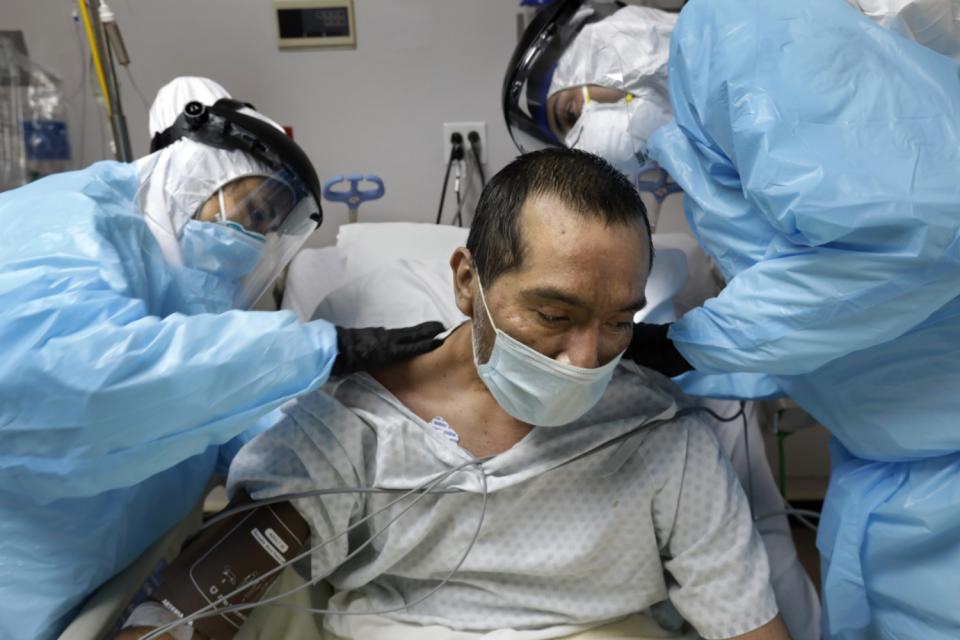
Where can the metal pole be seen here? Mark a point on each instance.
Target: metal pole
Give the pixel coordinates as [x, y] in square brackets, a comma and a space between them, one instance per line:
[117, 119]
[118, 122]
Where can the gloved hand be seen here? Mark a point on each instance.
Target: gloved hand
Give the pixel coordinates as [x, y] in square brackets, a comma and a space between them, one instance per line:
[374, 347]
[650, 347]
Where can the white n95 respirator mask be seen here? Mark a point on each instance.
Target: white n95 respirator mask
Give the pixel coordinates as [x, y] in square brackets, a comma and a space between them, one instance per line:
[537, 389]
[618, 131]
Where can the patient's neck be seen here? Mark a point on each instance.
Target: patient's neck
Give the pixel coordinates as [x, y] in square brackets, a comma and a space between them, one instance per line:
[459, 355]
[445, 383]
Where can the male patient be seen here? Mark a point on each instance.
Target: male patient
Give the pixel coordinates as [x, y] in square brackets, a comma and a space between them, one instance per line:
[605, 494]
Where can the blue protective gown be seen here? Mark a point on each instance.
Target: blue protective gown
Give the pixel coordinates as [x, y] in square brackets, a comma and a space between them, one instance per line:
[120, 375]
[820, 156]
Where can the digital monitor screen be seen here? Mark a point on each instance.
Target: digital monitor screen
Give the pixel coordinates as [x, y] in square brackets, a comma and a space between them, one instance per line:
[331, 22]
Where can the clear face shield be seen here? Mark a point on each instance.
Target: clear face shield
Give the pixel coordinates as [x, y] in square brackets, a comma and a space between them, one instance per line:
[586, 75]
[275, 216]
[252, 226]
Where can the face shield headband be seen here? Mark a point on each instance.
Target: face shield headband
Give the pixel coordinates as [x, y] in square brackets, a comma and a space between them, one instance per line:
[225, 126]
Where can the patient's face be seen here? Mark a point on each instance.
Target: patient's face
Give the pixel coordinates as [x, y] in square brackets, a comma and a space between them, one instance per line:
[575, 295]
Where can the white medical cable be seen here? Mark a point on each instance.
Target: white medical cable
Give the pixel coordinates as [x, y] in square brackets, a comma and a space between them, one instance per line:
[446, 579]
[136, 88]
[789, 510]
[212, 610]
[287, 497]
[806, 522]
[204, 612]
[272, 601]
[424, 488]
[800, 514]
[207, 612]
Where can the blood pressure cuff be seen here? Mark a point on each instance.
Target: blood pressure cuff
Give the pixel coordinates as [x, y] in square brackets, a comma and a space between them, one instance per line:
[226, 556]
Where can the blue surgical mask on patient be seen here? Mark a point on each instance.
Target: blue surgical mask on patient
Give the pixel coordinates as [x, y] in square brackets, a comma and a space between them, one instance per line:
[537, 389]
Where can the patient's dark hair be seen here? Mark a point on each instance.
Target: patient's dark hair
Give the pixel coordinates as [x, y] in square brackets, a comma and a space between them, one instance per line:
[585, 183]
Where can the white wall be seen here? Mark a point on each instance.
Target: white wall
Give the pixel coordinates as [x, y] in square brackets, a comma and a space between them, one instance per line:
[377, 108]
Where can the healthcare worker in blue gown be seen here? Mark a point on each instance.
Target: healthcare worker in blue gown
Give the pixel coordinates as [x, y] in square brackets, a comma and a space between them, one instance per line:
[128, 353]
[819, 154]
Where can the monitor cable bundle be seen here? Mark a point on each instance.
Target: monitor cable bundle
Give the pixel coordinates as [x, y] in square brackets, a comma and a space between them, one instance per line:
[461, 164]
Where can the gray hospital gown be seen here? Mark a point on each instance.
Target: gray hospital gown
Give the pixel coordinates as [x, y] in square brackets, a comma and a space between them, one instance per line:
[586, 523]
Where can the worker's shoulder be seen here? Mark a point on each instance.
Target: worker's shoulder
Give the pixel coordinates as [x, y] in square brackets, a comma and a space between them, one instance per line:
[72, 214]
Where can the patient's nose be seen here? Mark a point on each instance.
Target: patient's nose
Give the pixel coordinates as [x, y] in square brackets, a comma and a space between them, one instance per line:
[582, 349]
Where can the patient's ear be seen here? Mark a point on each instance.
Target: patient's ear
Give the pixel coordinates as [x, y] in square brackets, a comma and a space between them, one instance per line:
[463, 275]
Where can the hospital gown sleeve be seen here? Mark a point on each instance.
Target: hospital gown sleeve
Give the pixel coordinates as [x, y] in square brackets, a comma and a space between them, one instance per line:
[719, 570]
[318, 445]
[821, 170]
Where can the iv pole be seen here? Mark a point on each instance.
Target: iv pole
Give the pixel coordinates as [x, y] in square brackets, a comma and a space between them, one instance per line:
[103, 63]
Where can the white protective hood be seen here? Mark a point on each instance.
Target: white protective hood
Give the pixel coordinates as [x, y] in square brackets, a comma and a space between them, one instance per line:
[933, 23]
[628, 51]
[177, 180]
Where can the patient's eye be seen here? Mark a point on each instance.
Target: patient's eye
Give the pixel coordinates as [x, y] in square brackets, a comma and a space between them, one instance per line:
[569, 115]
[621, 325]
[551, 319]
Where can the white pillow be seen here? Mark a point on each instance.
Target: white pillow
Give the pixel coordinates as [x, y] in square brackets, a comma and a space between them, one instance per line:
[313, 273]
[368, 246]
[407, 292]
[667, 277]
[397, 274]
[400, 294]
[703, 279]
[362, 248]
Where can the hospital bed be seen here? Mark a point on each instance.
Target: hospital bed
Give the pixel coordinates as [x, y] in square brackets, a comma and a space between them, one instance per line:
[391, 274]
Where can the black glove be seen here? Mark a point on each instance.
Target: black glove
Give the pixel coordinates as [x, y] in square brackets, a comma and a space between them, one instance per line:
[370, 348]
[650, 347]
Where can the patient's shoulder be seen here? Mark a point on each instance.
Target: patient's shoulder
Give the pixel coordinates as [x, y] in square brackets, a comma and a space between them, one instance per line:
[327, 419]
[359, 393]
[638, 396]
[631, 373]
